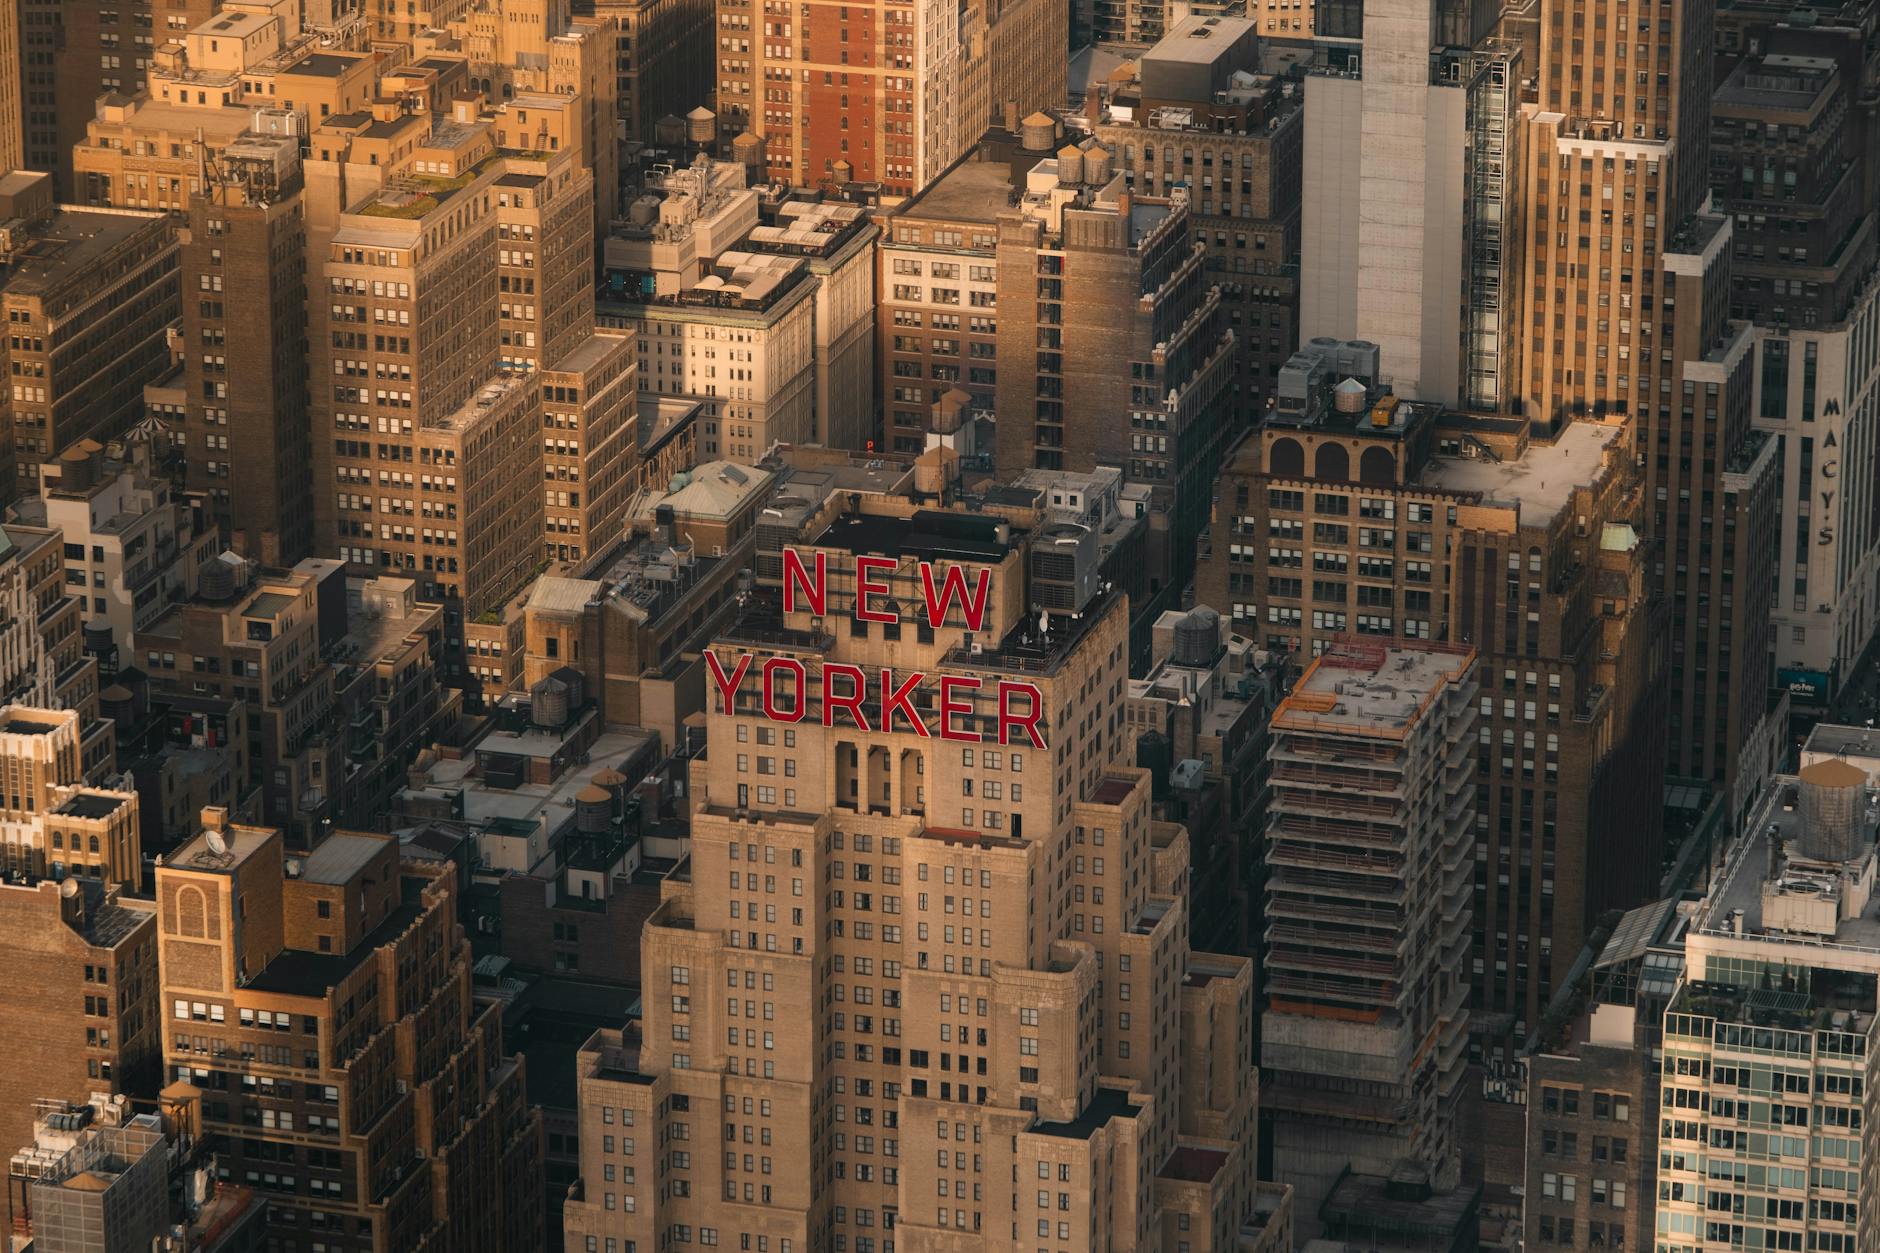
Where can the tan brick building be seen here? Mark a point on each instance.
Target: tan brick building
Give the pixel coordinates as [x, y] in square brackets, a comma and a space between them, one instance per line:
[75, 53]
[89, 296]
[1628, 311]
[84, 1002]
[1402, 520]
[319, 1025]
[948, 1000]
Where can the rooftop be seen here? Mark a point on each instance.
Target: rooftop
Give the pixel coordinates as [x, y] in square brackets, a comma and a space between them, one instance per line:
[1201, 39]
[930, 534]
[1771, 866]
[1367, 688]
[530, 806]
[1193, 1164]
[1834, 740]
[1543, 480]
[71, 246]
[93, 805]
[341, 856]
[297, 972]
[1776, 83]
[1105, 1104]
[229, 847]
[980, 186]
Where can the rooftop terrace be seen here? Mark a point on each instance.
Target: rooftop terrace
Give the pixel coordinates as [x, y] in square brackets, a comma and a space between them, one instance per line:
[1539, 484]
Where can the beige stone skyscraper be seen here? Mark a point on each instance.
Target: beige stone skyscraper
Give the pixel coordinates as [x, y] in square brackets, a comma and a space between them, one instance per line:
[12, 76]
[925, 981]
[1628, 302]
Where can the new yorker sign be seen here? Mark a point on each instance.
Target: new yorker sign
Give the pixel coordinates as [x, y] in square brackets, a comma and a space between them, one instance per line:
[848, 689]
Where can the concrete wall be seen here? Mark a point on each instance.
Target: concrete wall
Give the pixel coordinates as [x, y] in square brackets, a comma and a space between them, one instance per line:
[1383, 200]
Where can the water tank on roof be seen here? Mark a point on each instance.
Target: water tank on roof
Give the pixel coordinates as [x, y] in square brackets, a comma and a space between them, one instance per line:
[217, 581]
[701, 125]
[548, 703]
[593, 810]
[1037, 133]
[1070, 161]
[1350, 396]
[1831, 810]
[1197, 638]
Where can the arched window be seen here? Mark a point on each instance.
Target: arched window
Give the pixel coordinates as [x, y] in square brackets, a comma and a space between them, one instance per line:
[1332, 464]
[1286, 459]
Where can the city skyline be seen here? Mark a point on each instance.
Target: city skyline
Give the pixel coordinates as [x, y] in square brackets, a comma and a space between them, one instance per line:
[888, 626]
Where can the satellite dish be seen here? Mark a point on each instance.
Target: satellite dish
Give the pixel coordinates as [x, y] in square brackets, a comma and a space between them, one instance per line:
[69, 889]
[293, 867]
[216, 843]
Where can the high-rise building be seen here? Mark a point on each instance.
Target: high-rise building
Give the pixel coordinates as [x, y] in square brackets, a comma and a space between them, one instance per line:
[1339, 516]
[1364, 1022]
[767, 324]
[1112, 340]
[1592, 1093]
[432, 354]
[883, 92]
[75, 52]
[590, 420]
[528, 54]
[320, 1030]
[1628, 298]
[90, 297]
[1767, 1054]
[1409, 155]
[84, 1004]
[1788, 166]
[12, 90]
[245, 348]
[1235, 139]
[995, 1024]
[662, 57]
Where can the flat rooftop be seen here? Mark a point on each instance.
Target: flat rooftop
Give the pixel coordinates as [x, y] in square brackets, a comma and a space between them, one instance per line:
[1201, 39]
[1106, 1104]
[238, 844]
[72, 244]
[93, 805]
[1834, 740]
[269, 605]
[1193, 1164]
[1543, 480]
[1767, 851]
[979, 187]
[323, 65]
[300, 973]
[341, 856]
[19, 724]
[534, 806]
[1370, 687]
[929, 534]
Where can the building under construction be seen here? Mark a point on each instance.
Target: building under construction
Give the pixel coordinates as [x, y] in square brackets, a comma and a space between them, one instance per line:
[1368, 840]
